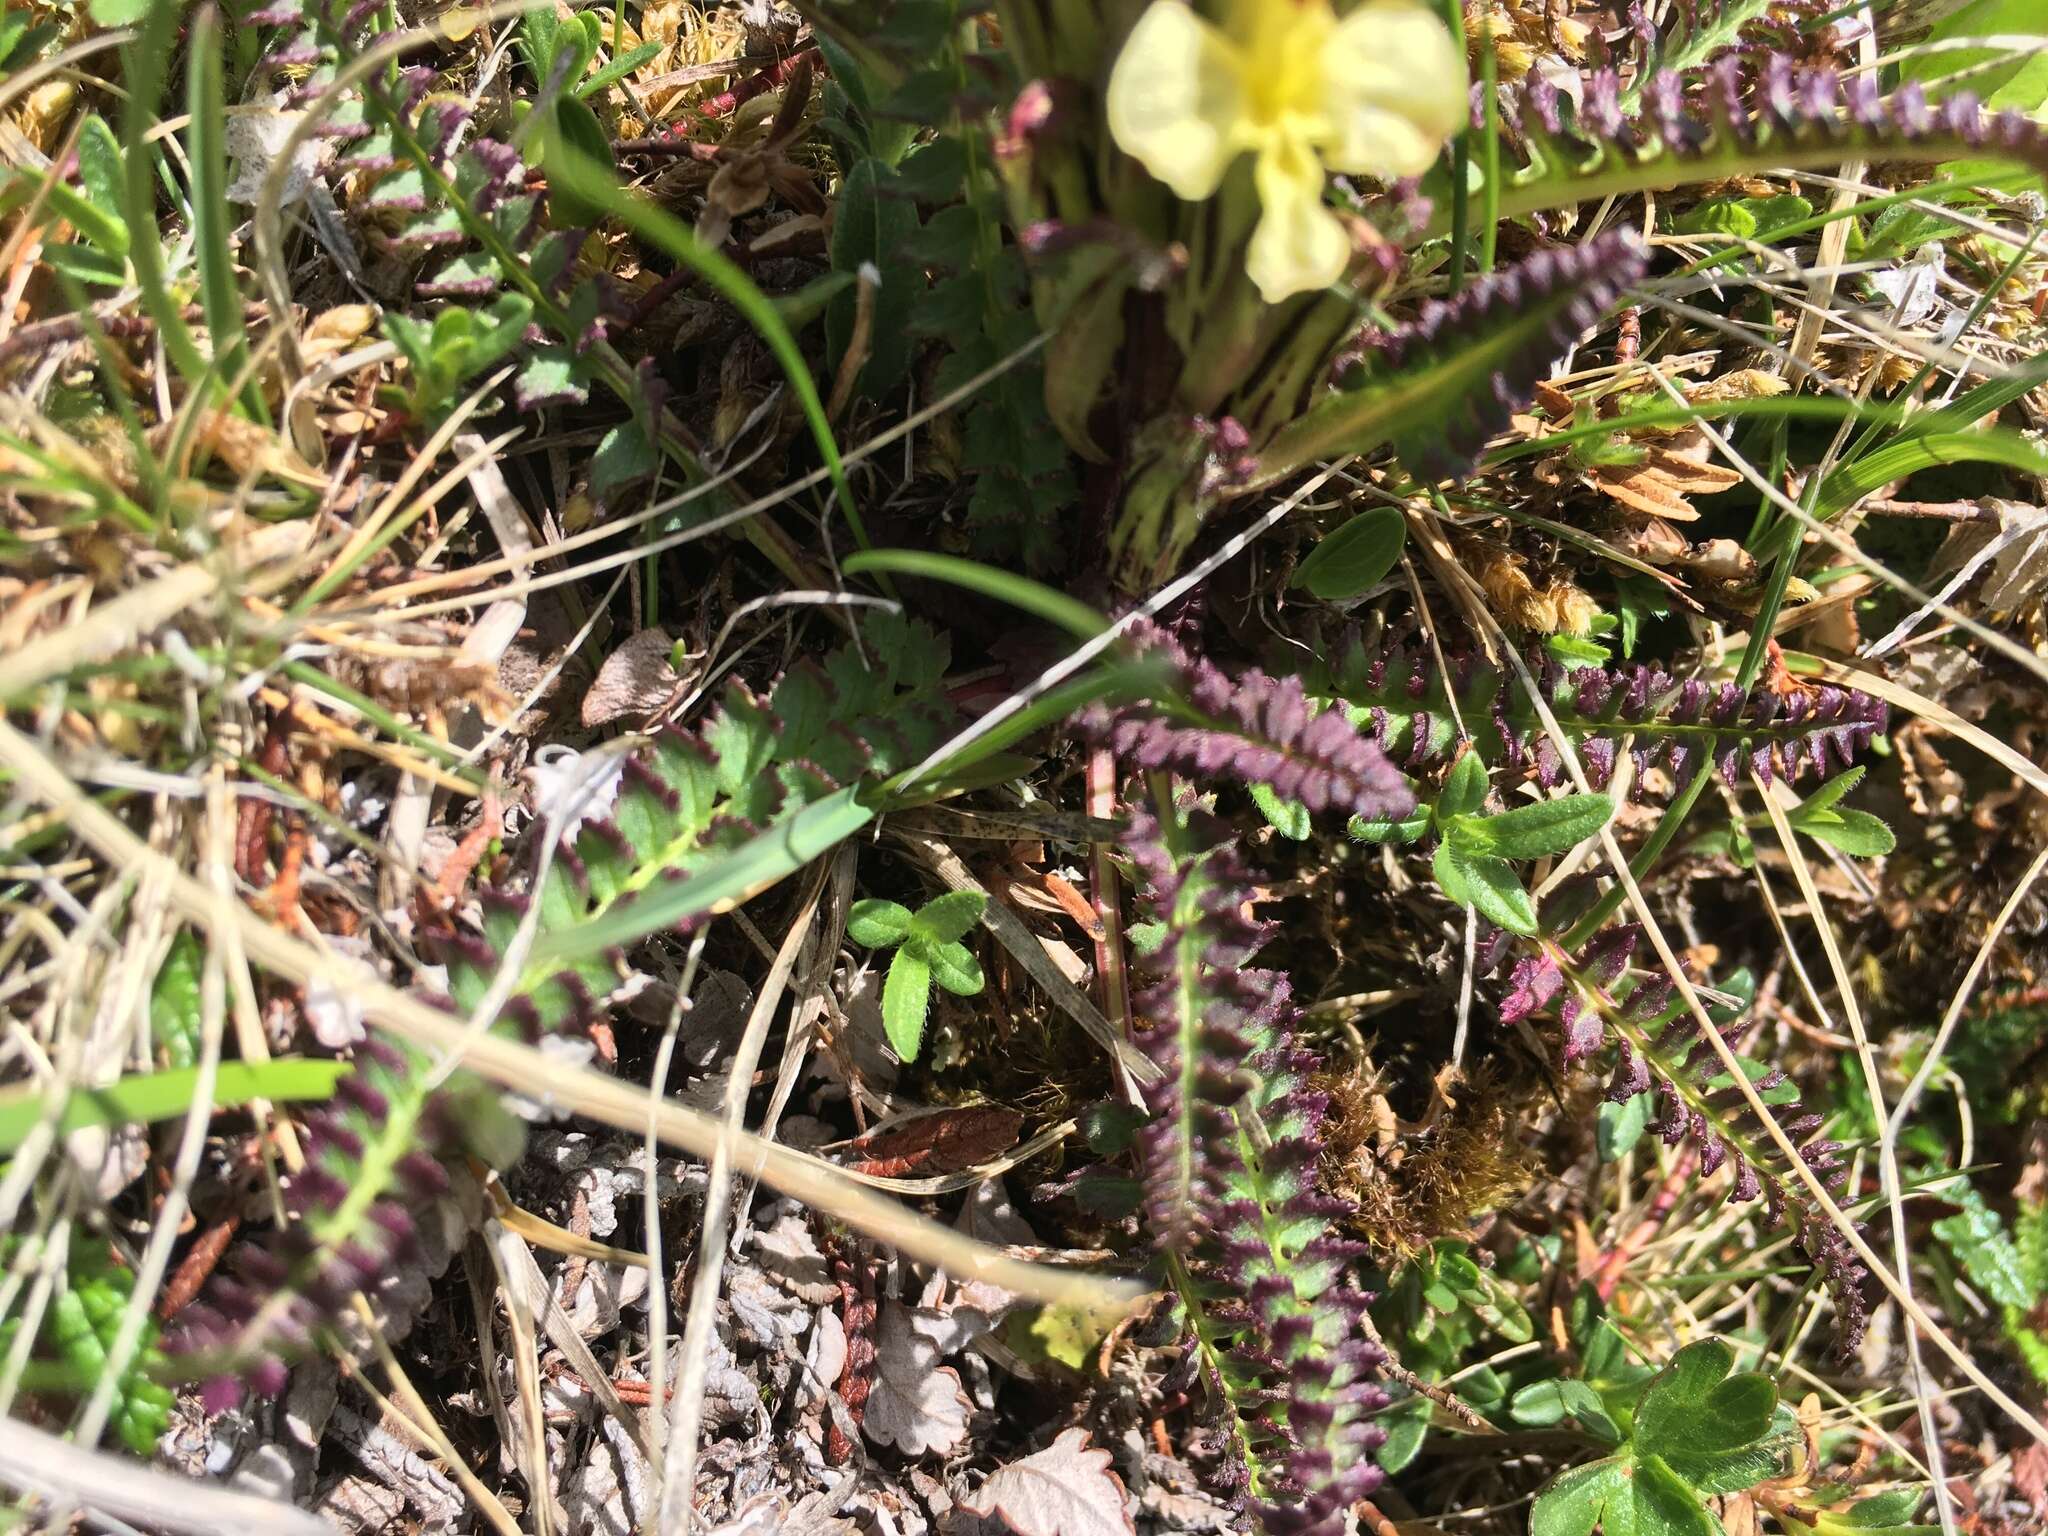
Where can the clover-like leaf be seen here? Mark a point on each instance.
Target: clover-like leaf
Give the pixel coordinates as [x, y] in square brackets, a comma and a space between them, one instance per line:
[1580, 1499]
[1714, 1429]
[1544, 1403]
[1663, 1504]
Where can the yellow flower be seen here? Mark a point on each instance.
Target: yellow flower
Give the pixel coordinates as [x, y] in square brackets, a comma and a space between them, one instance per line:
[1374, 93]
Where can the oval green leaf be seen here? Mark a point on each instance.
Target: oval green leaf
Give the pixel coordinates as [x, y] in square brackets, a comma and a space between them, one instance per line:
[1356, 558]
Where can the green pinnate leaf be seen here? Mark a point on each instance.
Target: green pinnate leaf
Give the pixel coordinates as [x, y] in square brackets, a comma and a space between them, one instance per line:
[906, 995]
[1976, 1235]
[878, 924]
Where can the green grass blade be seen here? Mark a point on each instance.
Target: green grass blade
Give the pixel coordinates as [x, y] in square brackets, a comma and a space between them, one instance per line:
[143, 71]
[1035, 598]
[1909, 455]
[719, 886]
[155, 1096]
[584, 178]
[206, 147]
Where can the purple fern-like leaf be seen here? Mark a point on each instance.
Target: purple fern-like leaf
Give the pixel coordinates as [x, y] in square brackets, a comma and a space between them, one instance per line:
[1249, 729]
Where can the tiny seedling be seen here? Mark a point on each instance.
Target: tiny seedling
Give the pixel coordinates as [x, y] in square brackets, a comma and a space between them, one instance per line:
[1823, 818]
[1472, 857]
[928, 949]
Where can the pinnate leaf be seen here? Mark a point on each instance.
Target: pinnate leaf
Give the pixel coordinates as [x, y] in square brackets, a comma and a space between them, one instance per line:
[1977, 1237]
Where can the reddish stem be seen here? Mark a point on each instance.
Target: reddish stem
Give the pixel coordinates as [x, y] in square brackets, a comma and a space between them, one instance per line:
[1607, 1278]
[677, 140]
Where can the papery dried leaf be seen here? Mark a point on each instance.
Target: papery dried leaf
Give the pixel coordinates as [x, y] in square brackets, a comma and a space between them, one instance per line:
[248, 449]
[916, 1404]
[1067, 1489]
[636, 679]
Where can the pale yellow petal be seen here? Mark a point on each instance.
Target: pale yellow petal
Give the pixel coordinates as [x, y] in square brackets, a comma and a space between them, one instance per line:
[1175, 99]
[1299, 244]
[1394, 88]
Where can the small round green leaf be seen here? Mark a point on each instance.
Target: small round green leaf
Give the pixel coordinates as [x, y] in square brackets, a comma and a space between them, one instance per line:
[954, 968]
[945, 918]
[878, 924]
[1356, 558]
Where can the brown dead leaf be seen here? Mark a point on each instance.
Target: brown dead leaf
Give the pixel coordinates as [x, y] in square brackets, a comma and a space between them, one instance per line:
[249, 449]
[1662, 482]
[1651, 540]
[944, 1142]
[1067, 1489]
[334, 331]
[2030, 1475]
[1550, 605]
[1722, 560]
[636, 679]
